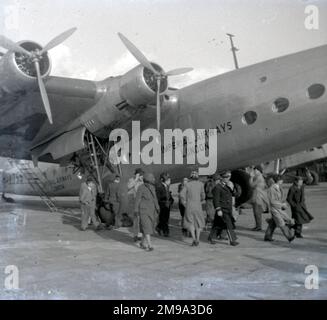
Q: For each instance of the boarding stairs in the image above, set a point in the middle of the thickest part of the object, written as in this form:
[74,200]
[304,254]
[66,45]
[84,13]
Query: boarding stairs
[37,184]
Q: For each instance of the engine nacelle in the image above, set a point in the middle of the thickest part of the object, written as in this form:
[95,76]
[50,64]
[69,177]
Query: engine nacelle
[120,100]
[139,85]
[17,71]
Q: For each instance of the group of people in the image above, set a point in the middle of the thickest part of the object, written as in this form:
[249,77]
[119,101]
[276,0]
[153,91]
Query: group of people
[150,202]
[269,198]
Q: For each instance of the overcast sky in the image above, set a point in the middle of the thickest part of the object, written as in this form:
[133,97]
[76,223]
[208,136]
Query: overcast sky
[174,33]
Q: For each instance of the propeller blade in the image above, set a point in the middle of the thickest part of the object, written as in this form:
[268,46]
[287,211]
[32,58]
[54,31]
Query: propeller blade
[43,92]
[139,56]
[158,102]
[58,40]
[178,71]
[12,46]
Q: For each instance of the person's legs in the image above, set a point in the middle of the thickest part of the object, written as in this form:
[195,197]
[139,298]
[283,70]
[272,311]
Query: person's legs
[85,217]
[159,227]
[182,212]
[197,234]
[192,231]
[116,212]
[298,230]
[287,232]
[257,212]
[270,230]
[230,231]
[93,216]
[166,221]
[214,230]
[148,239]
[136,227]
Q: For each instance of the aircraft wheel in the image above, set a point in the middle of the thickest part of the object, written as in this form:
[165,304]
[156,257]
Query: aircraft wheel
[241,180]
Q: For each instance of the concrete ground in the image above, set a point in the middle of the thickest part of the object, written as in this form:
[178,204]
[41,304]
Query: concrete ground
[57,261]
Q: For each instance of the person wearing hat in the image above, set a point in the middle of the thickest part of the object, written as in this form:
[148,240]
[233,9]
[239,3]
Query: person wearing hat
[87,198]
[279,216]
[113,198]
[147,208]
[259,198]
[133,184]
[165,200]
[192,196]
[223,203]
[296,200]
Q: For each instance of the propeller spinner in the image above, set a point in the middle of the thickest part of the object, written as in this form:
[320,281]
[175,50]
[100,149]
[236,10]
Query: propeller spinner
[159,75]
[35,57]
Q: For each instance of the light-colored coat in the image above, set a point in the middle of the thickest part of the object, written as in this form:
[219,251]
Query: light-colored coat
[276,196]
[88,193]
[192,196]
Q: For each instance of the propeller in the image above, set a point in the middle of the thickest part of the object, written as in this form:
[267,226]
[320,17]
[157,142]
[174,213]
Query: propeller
[36,56]
[159,75]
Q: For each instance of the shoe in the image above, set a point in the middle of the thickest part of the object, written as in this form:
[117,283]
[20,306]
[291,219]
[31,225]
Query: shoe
[193,244]
[158,231]
[166,234]
[268,239]
[197,243]
[234,243]
[211,241]
[298,236]
[149,249]
[291,239]
[142,246]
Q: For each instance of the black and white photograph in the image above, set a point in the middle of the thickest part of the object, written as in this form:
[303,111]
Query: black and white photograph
[163,150]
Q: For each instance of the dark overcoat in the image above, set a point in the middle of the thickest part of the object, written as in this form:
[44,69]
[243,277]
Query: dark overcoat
[296,200]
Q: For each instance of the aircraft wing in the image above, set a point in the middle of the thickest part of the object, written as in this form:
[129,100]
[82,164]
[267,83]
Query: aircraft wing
[23,121]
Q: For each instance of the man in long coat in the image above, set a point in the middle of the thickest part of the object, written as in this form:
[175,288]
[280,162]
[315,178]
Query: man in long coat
[165,200]
[296,200]
[223,203]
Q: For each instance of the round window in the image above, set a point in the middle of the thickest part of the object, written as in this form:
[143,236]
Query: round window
[316,91]
[280,105]
[249,117]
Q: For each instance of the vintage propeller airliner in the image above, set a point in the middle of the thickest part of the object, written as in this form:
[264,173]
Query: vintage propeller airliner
[260,112]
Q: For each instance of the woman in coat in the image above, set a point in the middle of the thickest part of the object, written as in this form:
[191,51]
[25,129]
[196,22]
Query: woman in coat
[192,196]
[296,200]
[280,218]
[147,208]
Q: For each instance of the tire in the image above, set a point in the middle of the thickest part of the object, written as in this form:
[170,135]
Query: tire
[241,180]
